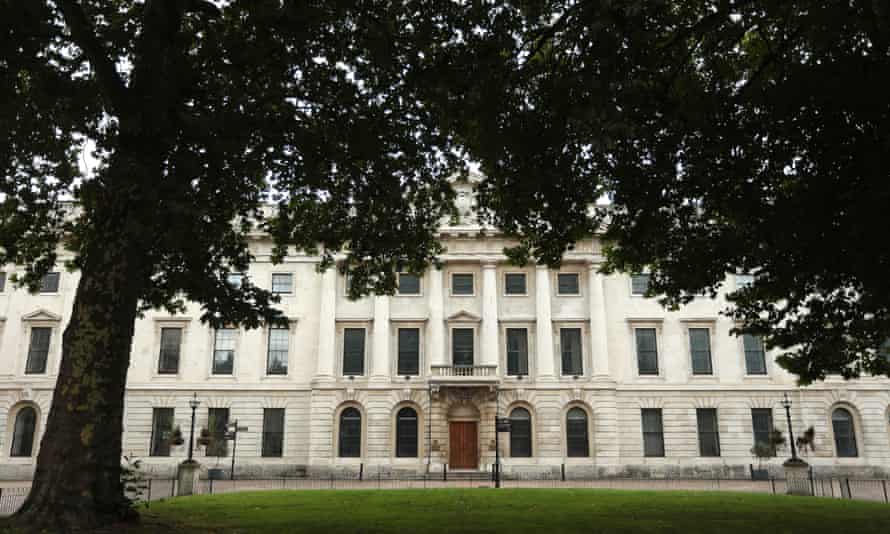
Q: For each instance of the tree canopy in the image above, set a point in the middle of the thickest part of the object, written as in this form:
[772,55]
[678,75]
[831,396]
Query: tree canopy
[730,136]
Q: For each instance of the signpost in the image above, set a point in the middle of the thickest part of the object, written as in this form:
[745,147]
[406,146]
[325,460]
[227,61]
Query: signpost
[232,434]
[502,424]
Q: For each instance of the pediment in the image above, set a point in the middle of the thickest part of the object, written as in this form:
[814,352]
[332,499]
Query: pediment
[41,315]
[464,315]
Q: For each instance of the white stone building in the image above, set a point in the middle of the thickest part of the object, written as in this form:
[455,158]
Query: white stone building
[594,376]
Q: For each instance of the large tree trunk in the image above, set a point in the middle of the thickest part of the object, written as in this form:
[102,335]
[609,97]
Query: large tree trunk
[77,483]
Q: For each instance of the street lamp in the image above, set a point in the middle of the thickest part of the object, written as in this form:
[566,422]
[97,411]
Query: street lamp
[786,403]
[193,403]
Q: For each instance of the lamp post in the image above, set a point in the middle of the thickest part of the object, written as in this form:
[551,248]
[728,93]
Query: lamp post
[193,403]
[786,403]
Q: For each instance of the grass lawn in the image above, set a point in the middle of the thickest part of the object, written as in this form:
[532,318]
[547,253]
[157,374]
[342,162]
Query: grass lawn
[511,510]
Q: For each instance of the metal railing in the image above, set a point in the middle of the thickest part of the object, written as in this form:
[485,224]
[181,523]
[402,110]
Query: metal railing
[13,494]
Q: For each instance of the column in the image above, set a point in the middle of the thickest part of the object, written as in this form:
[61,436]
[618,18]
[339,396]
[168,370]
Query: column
[327,324]
[380,353]
[599,341]
[489,314]
[436,330]
[543,325]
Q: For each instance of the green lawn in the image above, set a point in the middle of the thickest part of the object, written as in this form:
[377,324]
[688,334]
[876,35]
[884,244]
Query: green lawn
[514,510]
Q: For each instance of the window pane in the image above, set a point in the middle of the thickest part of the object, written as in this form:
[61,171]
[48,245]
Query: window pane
[844,433]
[23,433]
[762,423]
[406,433]
[38,350]
[570,345]
[576,434]
[2,281]
[409,284]
[350,445]
[700,346]
[517,351]
[462,284]
[168,361]
[653,432]
[217,421]
[520,433]
[567,284]
[276,359]
[514,284]
[755,359]
[161,431]
[409,352]
[708,435]
[354,351]
[647,351]
[462,346]
[282,283]
[224,351]
[639,284]
[273,432]
[50,283]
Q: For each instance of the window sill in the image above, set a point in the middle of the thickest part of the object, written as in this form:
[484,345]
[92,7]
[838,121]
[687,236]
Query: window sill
[274,377]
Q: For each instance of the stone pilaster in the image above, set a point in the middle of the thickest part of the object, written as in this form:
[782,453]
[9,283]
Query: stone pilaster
[327,325]
[436,330]
[380,353]
[543,325]
[489,314]
[599,340]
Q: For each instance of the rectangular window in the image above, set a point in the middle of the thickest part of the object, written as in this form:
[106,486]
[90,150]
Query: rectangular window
[282,283]
[168,360]
[568,284]
[570,346]
[38,350]
[49,283]
[2,281]
[884,350]
[161,431]
[708,434]
[700,347]
[353,351]
[755,359]
[647,351]
[462,346]
[517,351]
[639,284]
[762,421]
[461,284]
[409,352]
[224,351]
[276,359]
[217,427]
[235,280]
[409,284]
[653,432]
[514,284]
[273,432]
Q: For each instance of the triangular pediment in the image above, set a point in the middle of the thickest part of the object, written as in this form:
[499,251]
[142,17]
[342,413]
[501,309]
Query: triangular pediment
[464,315]
[41,315]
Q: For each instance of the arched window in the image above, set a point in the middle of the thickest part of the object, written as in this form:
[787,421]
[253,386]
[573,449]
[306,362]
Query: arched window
[520,433]
[844,433]
[576,434]
[23,432]
[406,433]
[350,442]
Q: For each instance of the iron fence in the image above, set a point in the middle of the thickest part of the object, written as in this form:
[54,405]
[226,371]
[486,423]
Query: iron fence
[13,494]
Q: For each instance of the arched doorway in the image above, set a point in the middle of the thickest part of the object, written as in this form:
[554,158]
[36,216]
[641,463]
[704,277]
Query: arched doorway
[463,436]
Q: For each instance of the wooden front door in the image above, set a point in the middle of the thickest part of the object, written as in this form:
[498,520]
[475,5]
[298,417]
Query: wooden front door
[463,445]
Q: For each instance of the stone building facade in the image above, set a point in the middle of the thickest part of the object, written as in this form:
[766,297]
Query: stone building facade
[593,376]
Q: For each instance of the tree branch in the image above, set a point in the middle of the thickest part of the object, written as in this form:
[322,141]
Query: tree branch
[84,36]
